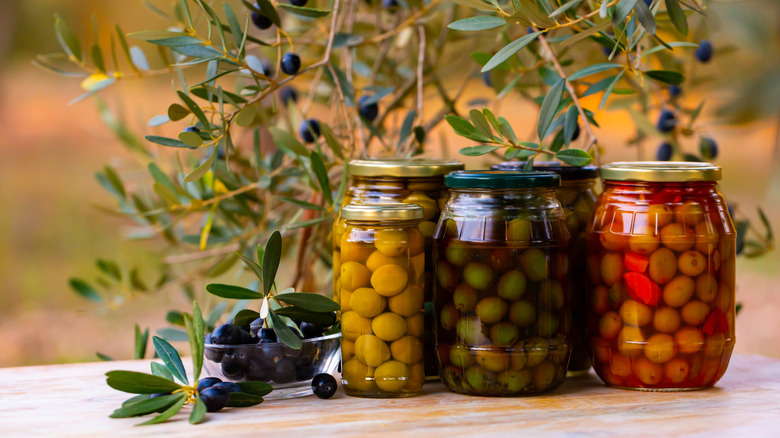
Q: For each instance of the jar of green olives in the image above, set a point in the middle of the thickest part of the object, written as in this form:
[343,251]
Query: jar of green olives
[577,195]
[401,180]
[501,294]
[661,259]
[383,275]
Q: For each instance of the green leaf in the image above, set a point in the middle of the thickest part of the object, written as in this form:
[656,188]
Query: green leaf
[677,16]
[271,259]
[146,406]
[298,314]
[201,170]
[609,89]
[475,151]
[550,107]
[343,82]
[302,204]
[170,357]
[645,17]
[97,58]
[481,22]
[463,128]
[666,76]
[322,176]
[109,267]
[593,69]
[168,413]
[194,108]
[509,50]
[172,334]
[196,331]
[406,126]
[565,7]
[165,141]
[570,124]
[770,236]
[82,288]
[622,10]
[306,223]
[574,157]
[304,12]
[579,36]
[233,292]
[67,39]
[284,333]
[198,411]
[141,340]
[243,400]
[258,389]
[103,357]
[177,112]
[309,301]
[244,317]
[253,266]
[506,130]
[161,370]
[139,383]
[331,141]
[480,122]
[235,27]
[659,48]
[285,141]
[191,139]
[246,116]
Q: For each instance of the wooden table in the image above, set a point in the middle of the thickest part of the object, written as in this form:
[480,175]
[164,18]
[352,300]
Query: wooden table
[73,400]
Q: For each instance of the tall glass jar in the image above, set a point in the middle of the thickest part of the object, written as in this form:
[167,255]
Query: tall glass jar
[382,304]
[577,195]
[409,180]
[501,292]
[661,259]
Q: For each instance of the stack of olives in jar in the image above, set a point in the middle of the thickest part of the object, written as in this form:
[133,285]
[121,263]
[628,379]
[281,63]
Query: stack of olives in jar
[501,292]
[417,181]
[382,278]
[661,277]
[577,195]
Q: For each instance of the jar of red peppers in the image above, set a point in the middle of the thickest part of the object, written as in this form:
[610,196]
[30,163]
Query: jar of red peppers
[501,291]
[577,195]
[398,180]
[661,262]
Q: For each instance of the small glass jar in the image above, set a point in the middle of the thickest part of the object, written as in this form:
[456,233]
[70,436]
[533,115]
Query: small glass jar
[501,292]
[382,303]
[577,195]
[400,180]
[661,259]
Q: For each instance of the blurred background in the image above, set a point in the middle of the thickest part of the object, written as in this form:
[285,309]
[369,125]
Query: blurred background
[51,228]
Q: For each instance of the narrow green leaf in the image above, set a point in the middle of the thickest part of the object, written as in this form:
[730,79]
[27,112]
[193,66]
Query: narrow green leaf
[233,292]
[480,22]
[244,317]
[285,333]
[318,167]
[677,16]
[139,383]
[406,126]
[609,89]
[198,411]
[299,314]
[659,48]
[565,7]
[593,69]
[141,341]
[168,413]
[302,204]
[82,288]
[147,406]
[109,268]
[475,151]
[201,170]
[253,266]
[507,131]
[306,223]
[331,141]
[622,9]
[574,157]
[579,36]
[645,17]
[271,258]
[480,122]
[666,76]
[196,329]
[509,50]
[67,39]
[304,12]
[165,141]
[171,358]
[243,400]
[103,357]
[770,235]
[550,107]
[258,389]
[172,334]
[191,139]
[161,370]
[570,124]
[194,108]
[235,27]
[288,143]
[97,58]
[309,301]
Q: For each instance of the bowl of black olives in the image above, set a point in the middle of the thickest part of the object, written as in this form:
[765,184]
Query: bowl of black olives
[253,352]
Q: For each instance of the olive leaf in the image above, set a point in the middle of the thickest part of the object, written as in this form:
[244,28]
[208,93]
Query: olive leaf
[171,358]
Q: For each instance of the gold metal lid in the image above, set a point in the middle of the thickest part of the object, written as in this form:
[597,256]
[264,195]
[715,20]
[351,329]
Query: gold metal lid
[382,212]
[660,171]
[403,167]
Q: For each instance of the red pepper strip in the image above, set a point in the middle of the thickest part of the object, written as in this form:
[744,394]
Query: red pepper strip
[641,288]
[665,196]
[716,323]
[636,262]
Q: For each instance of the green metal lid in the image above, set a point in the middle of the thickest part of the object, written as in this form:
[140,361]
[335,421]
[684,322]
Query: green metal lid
[499,179]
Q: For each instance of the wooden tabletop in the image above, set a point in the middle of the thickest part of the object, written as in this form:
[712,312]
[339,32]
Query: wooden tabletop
[73,400]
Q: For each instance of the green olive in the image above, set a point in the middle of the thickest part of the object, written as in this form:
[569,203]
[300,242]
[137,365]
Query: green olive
[551,295]
[491,310]
[518,230]
[546,325]
[677,237]
[504,334]
[678,291]
[477,378]
[501,260]
[536,350]
[662,265]
[457,254]
[617,294]
[515,381]
[492,359]
[543,375]
[611,268]
[511,285]
[690,213]
[465,298]
[446,275]
[478,275]
[691,263]
[534,264]
[469,330]
[448,317]
[522,313]
[460,356]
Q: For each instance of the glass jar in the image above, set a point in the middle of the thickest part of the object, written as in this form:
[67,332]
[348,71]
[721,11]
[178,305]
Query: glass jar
[577,195]
[661,259]
[382,301]
[501,291]
[409,180]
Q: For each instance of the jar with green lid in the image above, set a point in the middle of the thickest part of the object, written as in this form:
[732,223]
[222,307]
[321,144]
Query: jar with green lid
[661,265]
[398,180]
[501,294]
[577,195]
[382,302]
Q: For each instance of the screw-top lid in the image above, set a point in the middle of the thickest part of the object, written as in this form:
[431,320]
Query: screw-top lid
[660,171]
[382,212]
[403,167]
[567,173]
[500,179]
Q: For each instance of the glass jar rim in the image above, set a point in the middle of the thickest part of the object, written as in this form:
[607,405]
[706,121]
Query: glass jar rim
[660,171]
[501,179]
[567,173]
[403,167]
[381,212]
